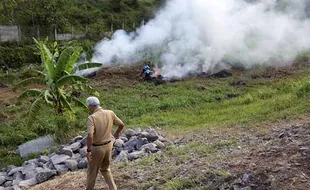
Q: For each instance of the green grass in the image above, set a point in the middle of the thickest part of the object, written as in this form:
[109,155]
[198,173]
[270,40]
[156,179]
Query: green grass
[179,107]
[184,106]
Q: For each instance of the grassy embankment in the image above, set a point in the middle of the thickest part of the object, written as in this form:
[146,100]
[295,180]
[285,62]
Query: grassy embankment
[177,108]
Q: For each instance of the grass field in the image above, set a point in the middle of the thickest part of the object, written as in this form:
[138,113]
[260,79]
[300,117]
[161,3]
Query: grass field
[177,108]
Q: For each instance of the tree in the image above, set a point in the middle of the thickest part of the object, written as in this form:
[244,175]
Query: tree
[59,80]
[9,8]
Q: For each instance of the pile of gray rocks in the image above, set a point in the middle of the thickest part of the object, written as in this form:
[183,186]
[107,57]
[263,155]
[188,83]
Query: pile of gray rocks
[133,144]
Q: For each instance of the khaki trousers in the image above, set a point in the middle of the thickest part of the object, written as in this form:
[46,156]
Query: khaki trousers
[101,156]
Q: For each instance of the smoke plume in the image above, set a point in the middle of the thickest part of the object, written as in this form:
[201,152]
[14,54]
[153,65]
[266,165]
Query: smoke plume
[206,35]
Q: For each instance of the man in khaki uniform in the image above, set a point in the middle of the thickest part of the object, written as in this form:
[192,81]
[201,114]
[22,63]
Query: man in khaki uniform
[100,142]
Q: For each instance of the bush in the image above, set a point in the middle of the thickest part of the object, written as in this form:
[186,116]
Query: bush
[17,56]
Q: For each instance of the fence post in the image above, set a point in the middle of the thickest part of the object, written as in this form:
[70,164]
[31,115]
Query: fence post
[19,33]
[56,35]
[112,28]
[0,33]
[72,32]
[38,32]
[123,26]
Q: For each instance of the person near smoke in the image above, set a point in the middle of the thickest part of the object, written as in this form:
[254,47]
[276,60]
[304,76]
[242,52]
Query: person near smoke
[147,72]
[100,142]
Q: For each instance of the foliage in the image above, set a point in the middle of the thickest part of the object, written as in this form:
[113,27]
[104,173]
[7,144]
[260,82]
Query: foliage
[94,15]
[16,56]
[58,78]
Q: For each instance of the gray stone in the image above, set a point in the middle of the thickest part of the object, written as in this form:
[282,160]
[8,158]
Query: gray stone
[40,164]
[76,139]
[151,136]
[83,152]
[135,155]
[132,142]
[118,149]
[161,138]
[141,142]
[57,159]
[129,133]
[16,182]
[137,131]
[84,141]
[83,163]
[118,143]
[29,171]
[14,170]
[151,130]
[52,154]
[10,167]
[75,146]
[28,183]
[29,166]
[77,157]
[44,175]
[61,168]
[8,183]
[66,151]
[33,162]
[43,159]
[3,173]
[50,165]
[114,153]
[2,179]
[71,164]
[125,139]
[150,147]
[159,144]
[122,157]
[35,146]
[18,176]
[30,174]
[9,178]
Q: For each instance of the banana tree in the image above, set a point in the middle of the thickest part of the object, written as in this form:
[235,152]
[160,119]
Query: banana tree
[59,80]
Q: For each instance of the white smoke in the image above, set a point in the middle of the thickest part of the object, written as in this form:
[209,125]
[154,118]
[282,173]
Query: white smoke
[207,35]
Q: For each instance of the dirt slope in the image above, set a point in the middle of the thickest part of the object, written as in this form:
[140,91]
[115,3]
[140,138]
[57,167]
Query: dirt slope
[264,158]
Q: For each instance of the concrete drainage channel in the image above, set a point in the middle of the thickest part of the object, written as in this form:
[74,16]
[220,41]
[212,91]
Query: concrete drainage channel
[132,145]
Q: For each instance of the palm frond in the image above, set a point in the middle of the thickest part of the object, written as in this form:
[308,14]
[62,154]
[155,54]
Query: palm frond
[35,107]
[63,61]
[78,102]
[73,58]
[85,87]
[47,97]
[29,81]
[64,100]
[39,72]
[68,79]
[30,93]
[86,66]
[47,60]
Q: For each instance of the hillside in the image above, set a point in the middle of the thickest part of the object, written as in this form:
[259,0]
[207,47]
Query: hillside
[252,123]
[95,16]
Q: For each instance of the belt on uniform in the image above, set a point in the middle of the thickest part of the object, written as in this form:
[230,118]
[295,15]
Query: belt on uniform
[101,144]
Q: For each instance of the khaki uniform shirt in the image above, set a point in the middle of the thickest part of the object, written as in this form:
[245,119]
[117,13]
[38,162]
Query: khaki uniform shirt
[100,124]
